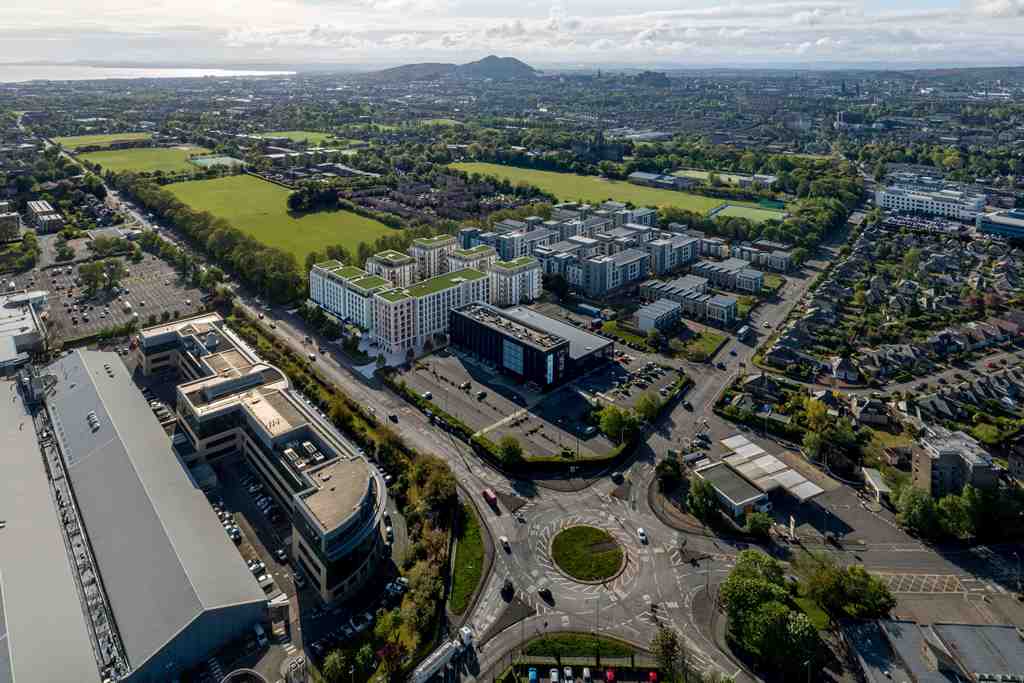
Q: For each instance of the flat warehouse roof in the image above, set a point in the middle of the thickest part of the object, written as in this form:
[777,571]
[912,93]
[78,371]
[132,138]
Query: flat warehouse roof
[40,612]
[581,342]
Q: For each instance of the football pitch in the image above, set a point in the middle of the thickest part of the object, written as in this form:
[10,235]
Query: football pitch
[260,209]
[146,159]
[570,187]
[755,215]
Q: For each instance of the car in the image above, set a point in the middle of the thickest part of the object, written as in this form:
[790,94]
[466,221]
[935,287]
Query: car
[553,675]
[688,406]
[732,352]
[505,544]
[427,396]
[720,365]
[361,622]
[567,674]
[389,533]
[766,325]
[545,594]
[490,497]
[532,674]
[642,535]
[387,519]
[393,417]
[609,675]
[585,677]
[507,589]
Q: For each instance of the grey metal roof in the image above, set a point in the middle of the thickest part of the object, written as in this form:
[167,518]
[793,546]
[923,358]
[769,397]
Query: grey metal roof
[730,484]
[43,635]
[162,555]
[581,342]
[986,649]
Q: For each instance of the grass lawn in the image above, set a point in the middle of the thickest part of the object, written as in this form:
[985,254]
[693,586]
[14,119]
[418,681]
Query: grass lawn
[880,440]
[576,645]
[613,329]
[316,139]
[817,615]
[587,553]
[75,141]
[469,561]
[750,213]
[704,344]
[744,304]
[260,209]
[441,122]
[146,159]
[572,187]
[773,281]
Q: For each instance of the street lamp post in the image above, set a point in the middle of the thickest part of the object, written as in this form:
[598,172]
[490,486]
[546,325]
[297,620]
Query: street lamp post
[1017,555]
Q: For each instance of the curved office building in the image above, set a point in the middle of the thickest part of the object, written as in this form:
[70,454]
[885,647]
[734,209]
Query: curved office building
[232,403]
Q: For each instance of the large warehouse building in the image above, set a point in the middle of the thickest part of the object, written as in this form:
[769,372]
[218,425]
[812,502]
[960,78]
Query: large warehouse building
[139,581]
[526,344]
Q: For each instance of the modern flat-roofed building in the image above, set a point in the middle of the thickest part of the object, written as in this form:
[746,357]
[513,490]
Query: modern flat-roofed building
[230,402]
[481,257]
[431,254]
[958,205]
[1008,224]
[345,292]
[732,273]
[944,461]
[514,282]
[140,578]
[672,253]
[22,331]
[10,224]
[736,495]
[661,314]
[44,217]
[404,319]
[604,274]
[397,268]
[528,345]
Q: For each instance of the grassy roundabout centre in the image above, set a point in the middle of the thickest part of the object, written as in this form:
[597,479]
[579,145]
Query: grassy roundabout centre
[587,553]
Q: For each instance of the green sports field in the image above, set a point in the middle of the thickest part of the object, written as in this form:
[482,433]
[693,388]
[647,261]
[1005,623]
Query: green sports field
[260,209]
[441,122]
[146,159]
[572,187]
[75,141]
[750,213]
[313,137]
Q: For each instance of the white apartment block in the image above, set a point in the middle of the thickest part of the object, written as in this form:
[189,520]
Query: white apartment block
[345,292]
[480,257]
[961,206]
[431,254]
[515,282]
[406,318]
[397,268]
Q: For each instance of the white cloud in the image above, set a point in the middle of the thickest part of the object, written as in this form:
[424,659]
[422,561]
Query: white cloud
[999,8]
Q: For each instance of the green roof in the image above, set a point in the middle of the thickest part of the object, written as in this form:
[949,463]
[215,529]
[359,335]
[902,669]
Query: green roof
[515,263]
[475,251]
[370,282]
[436,284]
[330,265]
[393,256]
[350,273]
[394,295]
[432,241]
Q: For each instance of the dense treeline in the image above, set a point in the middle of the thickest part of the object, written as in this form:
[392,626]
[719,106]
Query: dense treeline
[954,162]
[271,272]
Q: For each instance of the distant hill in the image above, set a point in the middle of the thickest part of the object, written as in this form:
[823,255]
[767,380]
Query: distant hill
[497,68]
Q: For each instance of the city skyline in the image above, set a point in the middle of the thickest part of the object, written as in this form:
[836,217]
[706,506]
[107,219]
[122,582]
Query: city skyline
[360,33]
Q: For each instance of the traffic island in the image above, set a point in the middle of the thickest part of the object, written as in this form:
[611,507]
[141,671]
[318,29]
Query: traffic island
[587,554]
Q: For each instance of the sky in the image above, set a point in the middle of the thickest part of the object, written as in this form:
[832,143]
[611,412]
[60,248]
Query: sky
[541,32]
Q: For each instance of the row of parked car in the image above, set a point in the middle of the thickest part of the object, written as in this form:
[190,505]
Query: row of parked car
[227,520]
[358,622]
[585,677]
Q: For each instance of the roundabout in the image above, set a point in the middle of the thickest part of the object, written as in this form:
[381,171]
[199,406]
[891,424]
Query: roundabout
[587,554]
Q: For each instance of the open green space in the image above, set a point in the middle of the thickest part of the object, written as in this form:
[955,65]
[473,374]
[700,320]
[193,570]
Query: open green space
[260,209]
[773,281]
[750,213]
[146,159]
[313,137]
[576,645]
[629,335]
[73,142]
[587,553]
[469,561]
[441,122]
[703,344]
[572,187]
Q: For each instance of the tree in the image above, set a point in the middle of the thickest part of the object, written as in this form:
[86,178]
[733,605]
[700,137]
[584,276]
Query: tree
[510,449]
[439,489]
[91,275]
[917,512]
[391,655]
[759,524]
[955,516]
[669,473]
[365,660]
[816,413]
[668,650]
[115,271]
[655,338]
[701,500]
[648,406]
[336,666]
[389,623]
[617,424]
